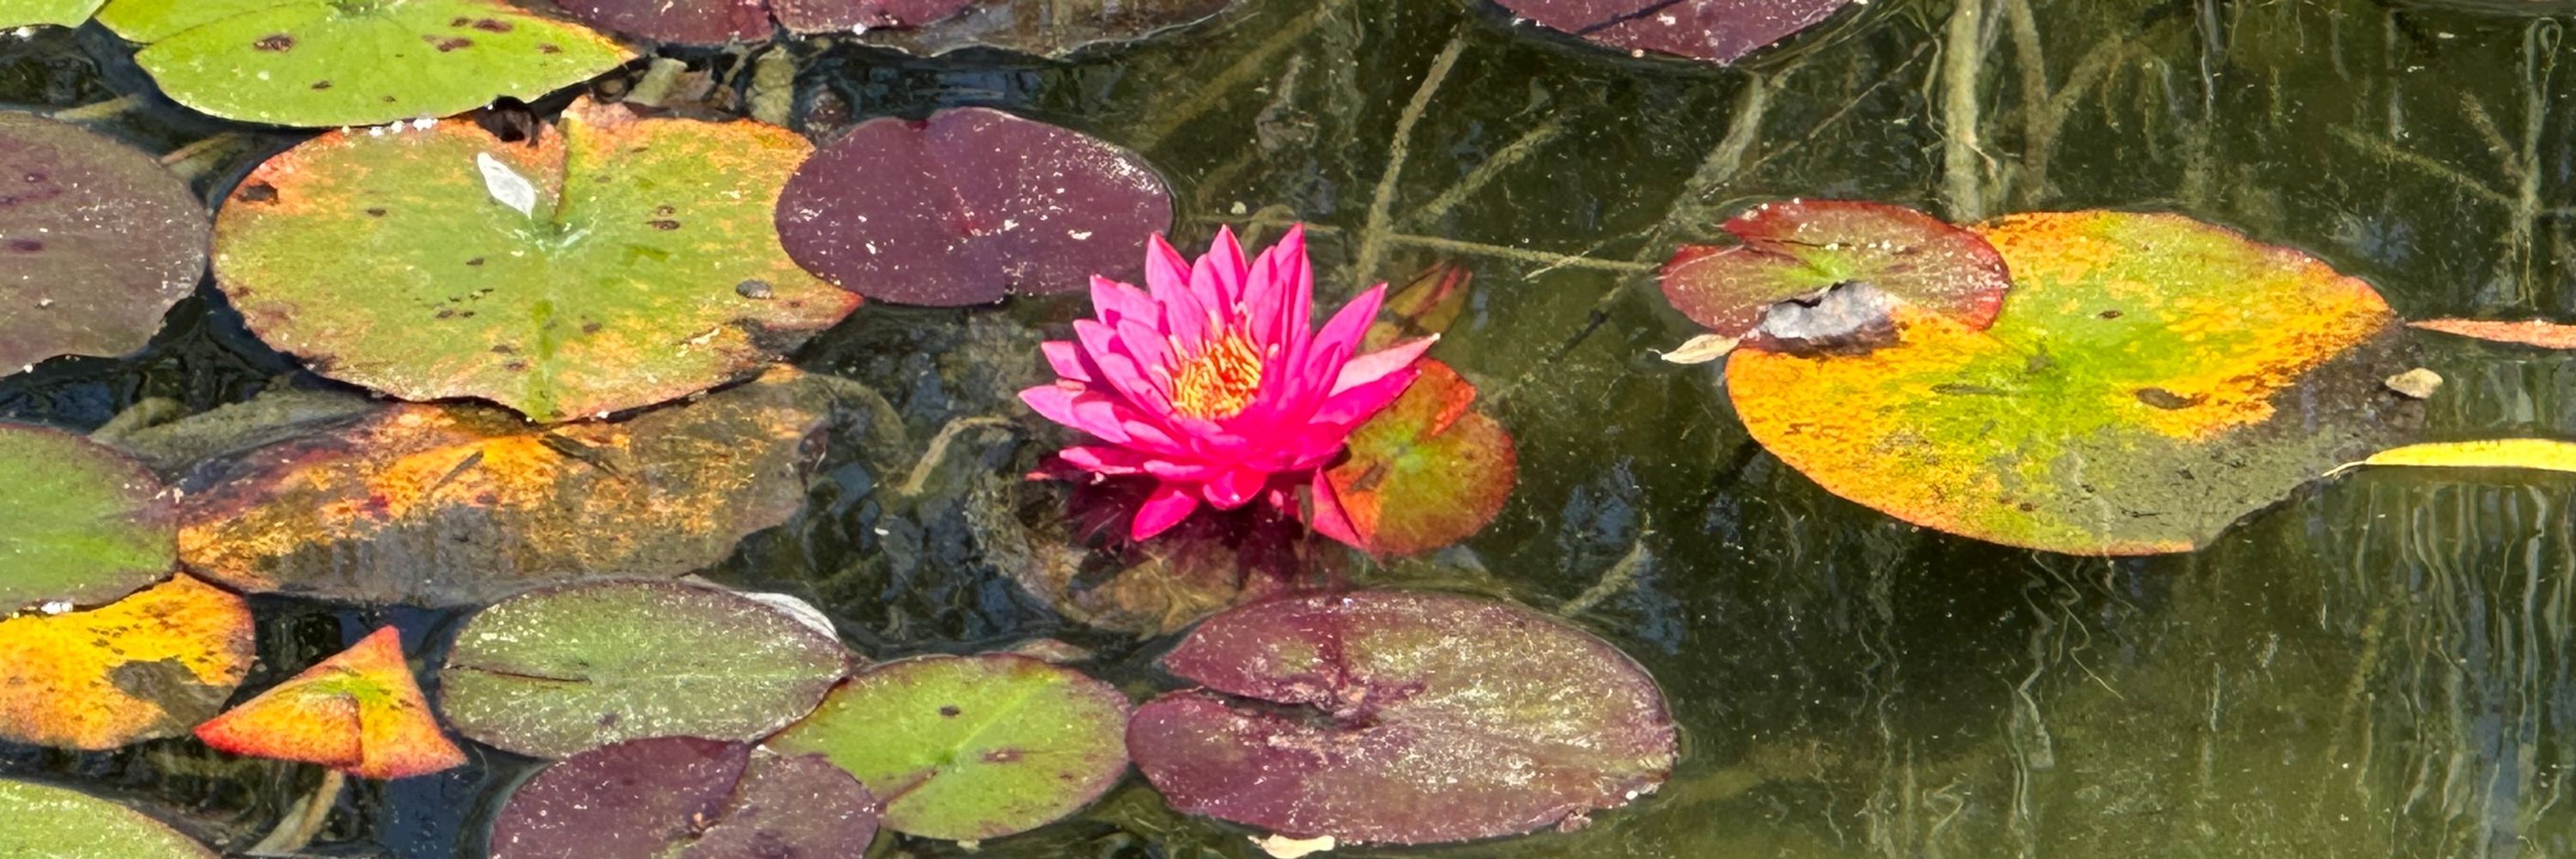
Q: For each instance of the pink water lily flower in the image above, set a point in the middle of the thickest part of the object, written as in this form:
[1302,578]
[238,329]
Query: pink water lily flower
[1213,381]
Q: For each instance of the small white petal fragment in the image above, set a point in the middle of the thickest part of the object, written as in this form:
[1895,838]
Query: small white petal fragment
[1284,847]
[506,184]
[1701,349]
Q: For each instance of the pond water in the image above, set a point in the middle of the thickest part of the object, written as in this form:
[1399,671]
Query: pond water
[2379,666]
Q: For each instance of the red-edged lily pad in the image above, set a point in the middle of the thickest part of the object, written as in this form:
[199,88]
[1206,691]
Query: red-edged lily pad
[2151,380]
[1427,472]
[1718,31]
[96,242]
[969,206]
[150,665]
[562,670]
[359,712]
[685,798]
[1409,718]
[1798,250]
[971,747]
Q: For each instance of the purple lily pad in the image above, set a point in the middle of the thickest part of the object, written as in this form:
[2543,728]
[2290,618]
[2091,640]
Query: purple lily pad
[1050,28]
[96,242]
[1415,718]
[686,797]
[686,22]
[969,206]
[1800,250]
[823,16]
[1718,31]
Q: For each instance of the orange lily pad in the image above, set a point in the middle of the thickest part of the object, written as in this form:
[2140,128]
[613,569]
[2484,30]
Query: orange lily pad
[1427,472]
[447,504]
[2152,380]
[145,666]
[359,712]
[1797,249]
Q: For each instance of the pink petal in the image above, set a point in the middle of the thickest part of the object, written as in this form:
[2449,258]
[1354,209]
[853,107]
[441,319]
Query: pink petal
[1235,488]
[1365,400]
[1165,266]
[1225,269]
[1103,460]
[1099,416]
[1149,349]
[1167,506]
[1347,326]
[1372,366]
[1179,472]
[1114,301]
[1066,358]
[1327,516]
[1118,368]
[1053,402]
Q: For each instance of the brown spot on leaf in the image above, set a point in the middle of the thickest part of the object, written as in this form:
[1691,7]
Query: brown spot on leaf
[490,25]
[2167,400]
[950,711]
[26,246]
[755,289]
[257,192]
[513,366]
[591,327]
[321,84]
[376,212]
[477,261]
[665,224]
[1001,756]
[548,48]
[2109,314]
[275,42]
[446,45]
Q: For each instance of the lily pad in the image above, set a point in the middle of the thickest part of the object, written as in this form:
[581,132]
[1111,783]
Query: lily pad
[44,820]
[562,670]
[968,206]
[1718,31]
[1380,717]
[323,63]
[685,798]
[79,523]
[96,242]
[693,22]
[439,505]
[1049,28]
[619,263]
[2152,380]
[1797,250]
[61,13]
[971,747]
[1427,472]
[147,666]
[359,711]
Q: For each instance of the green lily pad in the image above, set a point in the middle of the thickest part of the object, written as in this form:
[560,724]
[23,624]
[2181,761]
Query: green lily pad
[1795,250]
[453,504]
[1381,717]
[96,242]
[566,669]
[619,263]
[971,747]
[1427,472]
[61,13]
[60,823]
[320,63]
[685,798]
[2152,380]
[79,523]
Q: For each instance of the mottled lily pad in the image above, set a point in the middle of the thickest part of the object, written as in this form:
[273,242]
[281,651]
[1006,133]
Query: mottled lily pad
[354,62]
[1050,28]
[359,711]
[79,524]
[619,263]
[146,666]
[1718,31]
[561,670]
[969,206]
[61,13]
[1401,718]
[440,505]
[2152,380]
[44,820]
[971,747]
[1427,472]
[685,798]
[96,242]
[1798,250]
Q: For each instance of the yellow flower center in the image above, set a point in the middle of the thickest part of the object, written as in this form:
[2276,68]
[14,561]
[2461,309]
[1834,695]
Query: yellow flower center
[1220,381]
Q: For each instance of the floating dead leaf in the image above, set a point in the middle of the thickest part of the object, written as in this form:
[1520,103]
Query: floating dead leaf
[359,712]
[2534,453]
[150,665]
[1426,306]
[1427,472]
[2531,332]
[450,504]
[1819,269]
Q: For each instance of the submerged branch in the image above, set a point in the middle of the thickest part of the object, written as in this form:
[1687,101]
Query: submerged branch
[303,819]
[1382,205]
[1962,58]
[1243,69]
[1504,159]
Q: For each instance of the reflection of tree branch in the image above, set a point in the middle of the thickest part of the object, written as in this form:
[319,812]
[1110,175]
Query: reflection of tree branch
[1382,206]
[1503,159]
[2389,153]
[1243,69]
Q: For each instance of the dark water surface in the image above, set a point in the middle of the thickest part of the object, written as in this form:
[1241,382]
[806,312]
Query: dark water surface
[2378,667]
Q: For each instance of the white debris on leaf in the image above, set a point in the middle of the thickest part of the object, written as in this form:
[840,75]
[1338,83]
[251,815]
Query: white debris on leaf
[506,185]
[1700,350]
[1284,847]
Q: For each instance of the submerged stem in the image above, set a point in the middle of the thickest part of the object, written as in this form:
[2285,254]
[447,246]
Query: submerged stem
[303,819]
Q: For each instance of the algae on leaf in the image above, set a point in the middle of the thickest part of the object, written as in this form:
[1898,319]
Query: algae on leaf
[322,63]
